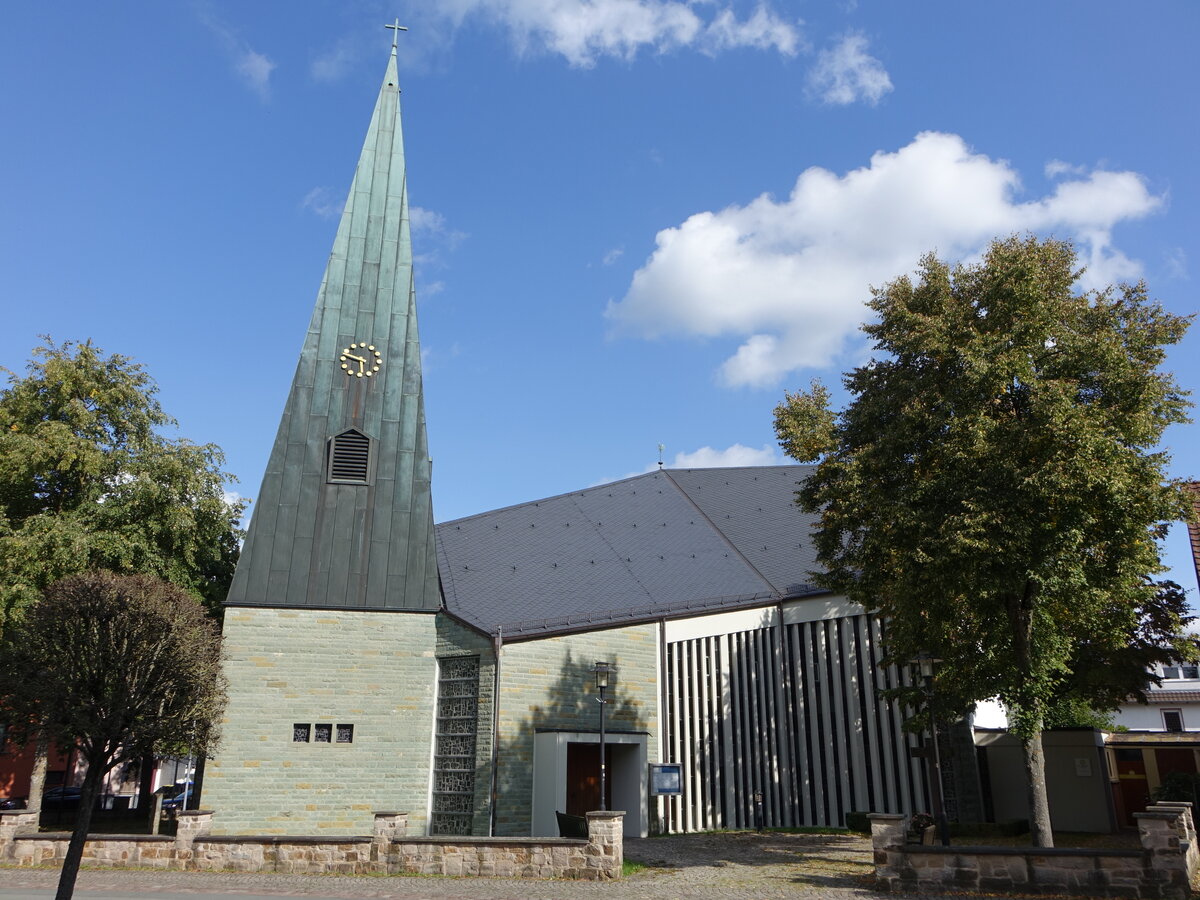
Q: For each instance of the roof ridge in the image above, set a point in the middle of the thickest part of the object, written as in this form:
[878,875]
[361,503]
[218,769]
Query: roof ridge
[717,528]
[540,500]
[627,478]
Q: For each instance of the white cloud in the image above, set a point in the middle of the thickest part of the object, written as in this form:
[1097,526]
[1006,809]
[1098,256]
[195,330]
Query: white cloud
[847,73]
[736,455]
[338,59]
[584,31]
[252,67]
[1176,263]
[430,222]
[613,255]
[323,202]
[789,277]
[1056,168]
[255,69]
[710,458]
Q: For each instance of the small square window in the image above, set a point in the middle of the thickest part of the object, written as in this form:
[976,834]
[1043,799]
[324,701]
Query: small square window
[1173,719]
[323,734]
[345,734]
[301,733]
[1170,671]
[1190,672]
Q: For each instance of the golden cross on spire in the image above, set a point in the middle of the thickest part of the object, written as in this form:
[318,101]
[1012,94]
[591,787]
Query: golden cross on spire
[397,28]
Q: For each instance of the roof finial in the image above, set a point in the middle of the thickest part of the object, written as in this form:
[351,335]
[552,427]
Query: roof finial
[661,448]
[397,28]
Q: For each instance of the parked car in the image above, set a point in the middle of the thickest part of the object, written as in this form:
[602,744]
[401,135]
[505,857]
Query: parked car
[12,802]
[173,801]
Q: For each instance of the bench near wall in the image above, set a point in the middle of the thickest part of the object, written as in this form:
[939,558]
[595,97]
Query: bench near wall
[1164,869]
[389,851]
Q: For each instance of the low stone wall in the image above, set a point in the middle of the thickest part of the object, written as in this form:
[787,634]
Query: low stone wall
[389,851]
[1164,869]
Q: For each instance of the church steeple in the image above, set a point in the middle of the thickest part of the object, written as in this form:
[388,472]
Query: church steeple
[344,518]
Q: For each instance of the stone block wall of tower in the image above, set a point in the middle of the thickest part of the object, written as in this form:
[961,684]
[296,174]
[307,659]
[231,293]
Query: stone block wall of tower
[313,669]
[548,684]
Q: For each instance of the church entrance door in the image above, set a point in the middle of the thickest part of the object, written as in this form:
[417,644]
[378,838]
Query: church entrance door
[583,778]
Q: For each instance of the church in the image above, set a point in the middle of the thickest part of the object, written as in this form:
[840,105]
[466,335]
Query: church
[379,662]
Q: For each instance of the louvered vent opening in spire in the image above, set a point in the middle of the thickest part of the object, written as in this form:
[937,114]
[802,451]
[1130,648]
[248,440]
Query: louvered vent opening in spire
[350,458]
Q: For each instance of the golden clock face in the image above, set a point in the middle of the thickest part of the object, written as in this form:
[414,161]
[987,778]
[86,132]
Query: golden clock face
[360,360]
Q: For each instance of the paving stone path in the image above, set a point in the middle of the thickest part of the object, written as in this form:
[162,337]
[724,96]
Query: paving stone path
[732,866]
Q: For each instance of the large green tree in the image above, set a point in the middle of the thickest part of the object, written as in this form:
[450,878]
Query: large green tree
[995,486]
[120,666]
[89,480]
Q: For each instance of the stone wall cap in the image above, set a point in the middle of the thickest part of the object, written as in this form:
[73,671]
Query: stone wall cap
[477,840]
[885,817]
[17,812]
[605,814]
[955,850]
[93,836]
[1166,814]
[195,812]
[1172,804]
[388,812]
[282,839]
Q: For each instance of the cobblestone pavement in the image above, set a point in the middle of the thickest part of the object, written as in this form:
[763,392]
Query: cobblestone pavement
[732,866]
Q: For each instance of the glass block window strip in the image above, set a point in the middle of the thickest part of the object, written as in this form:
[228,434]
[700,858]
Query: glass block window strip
[322,734]
[454,755]
[300,733]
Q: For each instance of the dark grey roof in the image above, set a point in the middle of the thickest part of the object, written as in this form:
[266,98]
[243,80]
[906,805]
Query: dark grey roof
[662,544]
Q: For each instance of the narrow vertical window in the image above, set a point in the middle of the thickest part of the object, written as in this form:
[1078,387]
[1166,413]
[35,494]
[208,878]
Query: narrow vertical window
[454,754]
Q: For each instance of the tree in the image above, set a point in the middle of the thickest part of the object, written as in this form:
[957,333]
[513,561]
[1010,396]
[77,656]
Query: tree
[88,481]
[993,488]
[120,666]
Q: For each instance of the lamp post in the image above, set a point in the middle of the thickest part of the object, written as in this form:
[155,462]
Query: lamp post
[925,664]
[602,670]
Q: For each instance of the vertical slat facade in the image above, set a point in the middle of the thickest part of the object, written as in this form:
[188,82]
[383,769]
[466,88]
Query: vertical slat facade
[790,711]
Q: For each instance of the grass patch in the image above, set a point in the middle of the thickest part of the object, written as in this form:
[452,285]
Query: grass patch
[629,867]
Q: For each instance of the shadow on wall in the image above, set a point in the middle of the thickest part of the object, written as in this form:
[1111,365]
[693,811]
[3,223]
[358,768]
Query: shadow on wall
[567,704]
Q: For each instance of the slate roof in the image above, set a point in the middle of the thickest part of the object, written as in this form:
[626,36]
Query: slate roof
[668,543]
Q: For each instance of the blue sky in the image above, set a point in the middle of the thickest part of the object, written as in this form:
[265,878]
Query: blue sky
[639,221]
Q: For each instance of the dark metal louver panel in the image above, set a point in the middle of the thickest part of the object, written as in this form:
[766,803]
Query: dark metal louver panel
[454,760]
[350,458]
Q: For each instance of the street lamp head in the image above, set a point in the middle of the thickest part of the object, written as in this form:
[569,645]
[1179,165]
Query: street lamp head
[601,670]
[925,663]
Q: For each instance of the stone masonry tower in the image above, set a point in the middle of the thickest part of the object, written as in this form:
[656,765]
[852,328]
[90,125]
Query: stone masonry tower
[330,622]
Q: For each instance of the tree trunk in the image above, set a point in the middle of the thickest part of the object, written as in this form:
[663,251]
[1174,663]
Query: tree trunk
[145,779]
[1039,806]
[37,778]
[88,792]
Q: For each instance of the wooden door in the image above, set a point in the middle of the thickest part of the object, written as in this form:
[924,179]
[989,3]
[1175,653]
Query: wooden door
[583,778]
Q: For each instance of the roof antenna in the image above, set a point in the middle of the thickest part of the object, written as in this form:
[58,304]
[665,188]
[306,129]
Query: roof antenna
[661,448]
